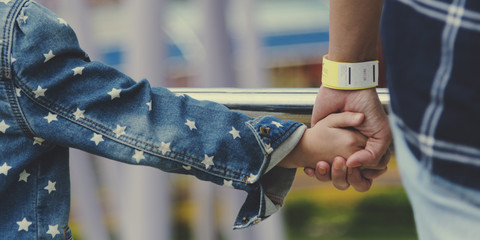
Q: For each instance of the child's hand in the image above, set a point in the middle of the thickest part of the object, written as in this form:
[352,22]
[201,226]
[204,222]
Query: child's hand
[329,138]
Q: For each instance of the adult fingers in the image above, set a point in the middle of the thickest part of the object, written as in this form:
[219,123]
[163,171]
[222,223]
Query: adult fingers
[376,155]
[358,182]
[374,173]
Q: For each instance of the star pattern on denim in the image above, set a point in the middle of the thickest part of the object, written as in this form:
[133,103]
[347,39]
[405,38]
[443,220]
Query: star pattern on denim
[164,147]
[208,161]
[191,124]
[188,168]
[97,138]
[23,176]
[227,183]
[40,92]
[38,141]
[277,124]
[51,117]
[50,187]
[23,225]
[78,71]
[149,104]
[23,17]
[53,230]
[252,178]
[79,114]
[4,169]
[115,93]
[3,126]
[18,91]
[138,156]
[235,133]
[48,56]
[5,1]
[62,21]
[119,131]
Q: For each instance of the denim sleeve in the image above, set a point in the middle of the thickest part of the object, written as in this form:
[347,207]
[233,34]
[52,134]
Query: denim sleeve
[68,100]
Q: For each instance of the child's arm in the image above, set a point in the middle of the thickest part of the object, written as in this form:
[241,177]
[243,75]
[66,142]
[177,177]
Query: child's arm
[328,139]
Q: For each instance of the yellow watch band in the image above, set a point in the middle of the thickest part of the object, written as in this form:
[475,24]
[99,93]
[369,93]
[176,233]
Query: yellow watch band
[349,76]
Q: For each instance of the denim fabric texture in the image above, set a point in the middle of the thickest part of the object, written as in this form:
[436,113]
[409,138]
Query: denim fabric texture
[52,98]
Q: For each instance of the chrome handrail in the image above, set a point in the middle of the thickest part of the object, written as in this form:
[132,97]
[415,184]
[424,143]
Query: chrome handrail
[286,103]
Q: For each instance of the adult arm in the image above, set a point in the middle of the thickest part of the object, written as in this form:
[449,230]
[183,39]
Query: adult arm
[354,27]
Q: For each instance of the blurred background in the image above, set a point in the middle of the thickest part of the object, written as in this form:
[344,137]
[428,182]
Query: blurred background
[215,43]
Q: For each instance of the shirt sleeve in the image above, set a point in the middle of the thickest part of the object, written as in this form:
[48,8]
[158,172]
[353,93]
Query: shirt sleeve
[68,100]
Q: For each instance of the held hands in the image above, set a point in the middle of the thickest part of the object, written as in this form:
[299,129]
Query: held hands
[329,138]
[365,164]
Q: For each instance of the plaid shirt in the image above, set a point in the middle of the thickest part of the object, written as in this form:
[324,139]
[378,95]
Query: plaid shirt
[432,50]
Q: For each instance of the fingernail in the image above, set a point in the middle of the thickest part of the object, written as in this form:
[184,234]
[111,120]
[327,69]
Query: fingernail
[358,116]
[338,166]
[322,171]
[354,165]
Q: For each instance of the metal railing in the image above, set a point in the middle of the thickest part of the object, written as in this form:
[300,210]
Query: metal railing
[286,103]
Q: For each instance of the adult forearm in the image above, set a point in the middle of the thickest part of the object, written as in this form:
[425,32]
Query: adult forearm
[354,27]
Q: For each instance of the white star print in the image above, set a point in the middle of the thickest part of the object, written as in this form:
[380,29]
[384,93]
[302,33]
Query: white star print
[50,187]
[62,21]
[79,114]
[138,156]
[4,169]
[3,126]
[38,140]
[268,148]
[78,71]
[13,60]
[115,93]
[252,178]
[48,56]
[235,133]
[97,138]
[277,124]
[119,131]
[23,176]
[208,161]
[40,92]
[228,183]
[149,104]
[5,1]
[51,117]
[18,90]
[165,148]
[23,17]
[23,225]
[188,168]
[191,124]
[53,230]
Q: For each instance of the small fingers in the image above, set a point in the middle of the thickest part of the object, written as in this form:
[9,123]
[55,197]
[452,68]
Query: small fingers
[339,173]
[322,171]
[309,171]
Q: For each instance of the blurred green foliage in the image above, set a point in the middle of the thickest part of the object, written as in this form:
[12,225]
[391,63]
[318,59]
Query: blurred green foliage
[382,215]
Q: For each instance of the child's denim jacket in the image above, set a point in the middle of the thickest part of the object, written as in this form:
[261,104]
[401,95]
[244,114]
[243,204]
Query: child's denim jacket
[52,97]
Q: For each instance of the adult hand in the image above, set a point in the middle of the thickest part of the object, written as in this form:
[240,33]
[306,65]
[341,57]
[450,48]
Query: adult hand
[372,160]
